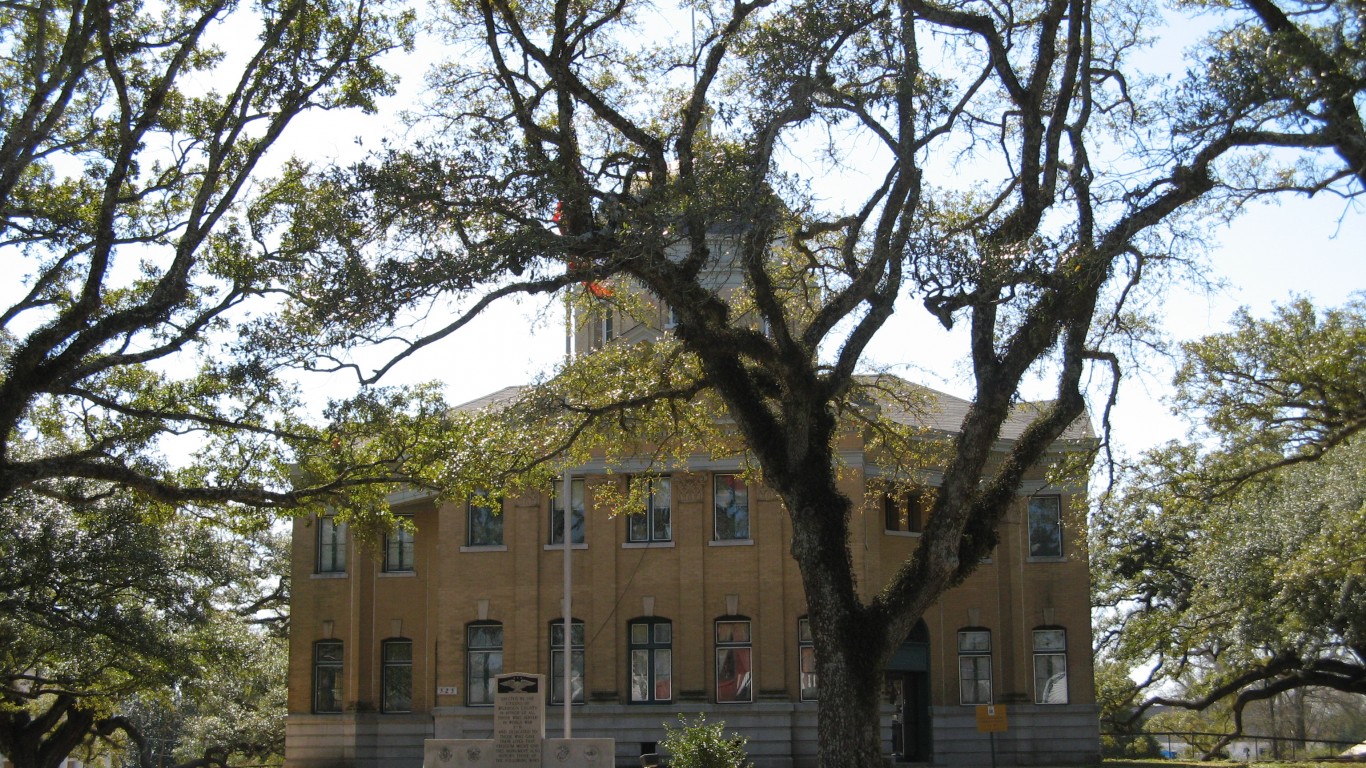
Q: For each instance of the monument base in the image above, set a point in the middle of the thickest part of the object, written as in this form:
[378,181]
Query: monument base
[555,753]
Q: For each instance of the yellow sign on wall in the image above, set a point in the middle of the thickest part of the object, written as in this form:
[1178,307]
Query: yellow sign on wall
[991,718]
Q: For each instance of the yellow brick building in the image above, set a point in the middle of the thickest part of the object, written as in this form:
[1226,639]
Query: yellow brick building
[691,606]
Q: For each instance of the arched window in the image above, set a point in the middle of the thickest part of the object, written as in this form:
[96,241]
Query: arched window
[651,657]
[734,660]
[974,666]
[397,675]
[327,676]
[1050,665]
[557,661]
[483,661]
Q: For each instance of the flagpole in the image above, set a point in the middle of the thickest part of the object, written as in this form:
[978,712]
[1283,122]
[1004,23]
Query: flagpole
[566,529]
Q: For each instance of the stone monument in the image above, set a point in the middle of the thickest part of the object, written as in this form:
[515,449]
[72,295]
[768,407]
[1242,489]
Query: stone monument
[519,736]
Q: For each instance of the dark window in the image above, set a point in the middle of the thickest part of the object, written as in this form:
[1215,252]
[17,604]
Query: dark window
[806,660]
[398,676]
[557,661]
[484,661]
[1050,666]
[1045,526]
[651,652]
[485,522]
[327,676]
[331,545]
[557,512]
[653,524]
[732,507]
[904,509]
[398,547]
[974,666]
[734,661]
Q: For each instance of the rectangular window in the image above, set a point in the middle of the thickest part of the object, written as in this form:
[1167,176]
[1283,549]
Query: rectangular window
[974,666]
[734,661]
[653,524]
[732,508]
[1045,526]
[398,547]
[331,545]
[398,676]
[1050,666]
[903,509]
[806,660]
[327,676]
[557,512]
[651,653]
[557,661]
[485,522]
[484,662]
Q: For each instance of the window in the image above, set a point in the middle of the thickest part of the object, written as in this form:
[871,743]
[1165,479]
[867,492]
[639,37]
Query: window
[327,676]
[398,547]
[653,524]
[484,662]
[331,545]
[557,512]
[557,661]
[651,650]
[1050,666]
[486,522]
[732,507]
[806,660]
[734,661]
[974,666]
[397,664]
[903,509]
[605,329]
[1045,526]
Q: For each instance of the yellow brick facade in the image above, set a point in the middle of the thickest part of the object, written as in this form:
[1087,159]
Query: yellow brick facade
[690,580]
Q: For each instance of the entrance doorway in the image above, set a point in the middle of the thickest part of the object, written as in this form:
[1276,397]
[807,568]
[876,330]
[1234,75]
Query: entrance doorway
[908,691]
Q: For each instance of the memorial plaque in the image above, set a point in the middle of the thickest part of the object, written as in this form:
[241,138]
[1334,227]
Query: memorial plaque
[518,721]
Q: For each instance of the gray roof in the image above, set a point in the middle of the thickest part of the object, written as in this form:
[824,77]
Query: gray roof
[945,413]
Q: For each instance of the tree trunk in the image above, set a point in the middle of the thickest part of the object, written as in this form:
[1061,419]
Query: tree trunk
[850,710]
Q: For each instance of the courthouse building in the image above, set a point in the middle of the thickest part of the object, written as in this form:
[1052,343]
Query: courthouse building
[691,605]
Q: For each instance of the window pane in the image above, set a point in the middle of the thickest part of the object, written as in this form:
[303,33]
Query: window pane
[398,688]
[663,674]
[557,512]
[664,632]
[974,673]
[804,631]
[732,674]
[640,634]
[974,641]
[1050,640]
[807,672]
[331,545]
[638,526]
[1045,526]
[660,492]
[732,631]
[557,676]
[329,652]
[732,507]
[328,694]
[640,675]
[486,524]
[398,651]
[1050,678]
[486,636]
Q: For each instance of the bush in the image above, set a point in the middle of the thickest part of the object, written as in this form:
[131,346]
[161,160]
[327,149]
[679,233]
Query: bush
[700,744]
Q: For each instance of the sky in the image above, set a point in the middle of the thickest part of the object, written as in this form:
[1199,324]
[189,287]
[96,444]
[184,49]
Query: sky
[1270,254]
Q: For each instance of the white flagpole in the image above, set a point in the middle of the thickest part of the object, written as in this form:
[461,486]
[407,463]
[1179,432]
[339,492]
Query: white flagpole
[567,529]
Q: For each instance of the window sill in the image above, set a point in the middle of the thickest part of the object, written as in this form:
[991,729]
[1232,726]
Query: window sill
[558,547]
[731,543]
[903,534]
[647,544]
[329,575]
[484,548]
[397,575]
[1061,559]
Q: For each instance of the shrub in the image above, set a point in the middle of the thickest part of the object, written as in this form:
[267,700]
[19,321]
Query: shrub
[700,744]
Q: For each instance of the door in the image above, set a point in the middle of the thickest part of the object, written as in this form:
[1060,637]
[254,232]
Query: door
[908,691]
